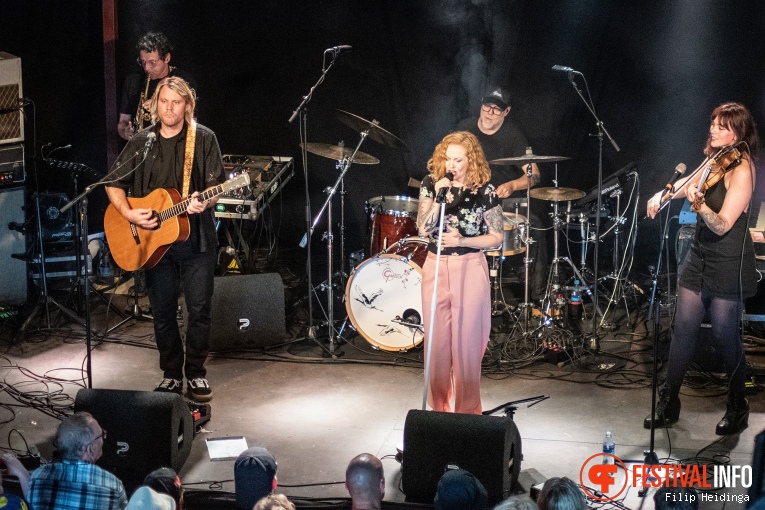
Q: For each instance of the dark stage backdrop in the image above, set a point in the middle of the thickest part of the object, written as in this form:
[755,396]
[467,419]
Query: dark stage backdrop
[655,70]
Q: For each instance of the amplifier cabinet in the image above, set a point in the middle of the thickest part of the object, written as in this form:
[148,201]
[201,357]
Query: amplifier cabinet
[11,93]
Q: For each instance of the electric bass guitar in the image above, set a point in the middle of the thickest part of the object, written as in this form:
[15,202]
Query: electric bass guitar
[133,247]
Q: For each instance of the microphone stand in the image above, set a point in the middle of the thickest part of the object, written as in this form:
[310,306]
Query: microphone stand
[82,201]
[601,131]
[655,312]
[306,241]
[429,339]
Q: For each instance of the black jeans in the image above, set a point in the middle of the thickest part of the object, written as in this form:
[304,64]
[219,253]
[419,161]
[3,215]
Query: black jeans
[182,268]
[725,315]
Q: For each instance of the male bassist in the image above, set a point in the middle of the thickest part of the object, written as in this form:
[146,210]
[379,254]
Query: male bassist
[187,158]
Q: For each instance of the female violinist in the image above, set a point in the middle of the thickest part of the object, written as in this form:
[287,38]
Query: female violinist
[719,272]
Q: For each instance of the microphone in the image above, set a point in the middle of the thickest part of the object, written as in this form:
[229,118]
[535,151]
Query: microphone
[442,192]
[564,69]
[679,170]
[19,105]
[149,141]
[338,49]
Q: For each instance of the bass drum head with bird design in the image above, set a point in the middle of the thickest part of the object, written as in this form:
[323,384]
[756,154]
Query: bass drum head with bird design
[382,298]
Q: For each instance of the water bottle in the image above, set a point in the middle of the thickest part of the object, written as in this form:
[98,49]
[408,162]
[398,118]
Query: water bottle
[575,309]
[608,447]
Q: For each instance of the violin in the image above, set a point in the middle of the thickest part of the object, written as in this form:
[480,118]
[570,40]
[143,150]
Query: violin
[724,160]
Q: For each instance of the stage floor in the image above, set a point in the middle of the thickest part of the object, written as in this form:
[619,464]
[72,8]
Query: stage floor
[315,413]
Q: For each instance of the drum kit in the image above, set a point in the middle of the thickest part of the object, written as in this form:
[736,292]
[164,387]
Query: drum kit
[383,292]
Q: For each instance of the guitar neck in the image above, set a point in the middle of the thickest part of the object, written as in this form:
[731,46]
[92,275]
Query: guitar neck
[181,206]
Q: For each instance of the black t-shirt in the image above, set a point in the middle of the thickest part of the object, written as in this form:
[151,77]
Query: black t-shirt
[507,142]
[135,84]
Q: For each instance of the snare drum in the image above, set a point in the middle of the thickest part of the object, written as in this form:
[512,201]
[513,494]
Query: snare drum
[512,242]
[384,303]
[390,218]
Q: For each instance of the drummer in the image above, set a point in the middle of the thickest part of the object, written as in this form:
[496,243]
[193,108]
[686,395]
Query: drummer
[501,138]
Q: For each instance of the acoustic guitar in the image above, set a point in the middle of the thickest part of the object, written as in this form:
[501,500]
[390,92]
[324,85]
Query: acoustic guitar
[133,247]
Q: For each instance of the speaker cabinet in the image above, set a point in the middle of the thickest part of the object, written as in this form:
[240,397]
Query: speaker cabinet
[11,123]
[13,276]
[487,446]
[247,312]
[146,430]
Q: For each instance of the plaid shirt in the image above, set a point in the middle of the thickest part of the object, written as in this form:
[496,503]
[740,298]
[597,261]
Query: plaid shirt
[71,485]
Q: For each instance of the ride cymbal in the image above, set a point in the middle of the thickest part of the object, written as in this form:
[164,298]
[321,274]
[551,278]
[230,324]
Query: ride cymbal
[376,133]
[339,153]
[556,194]
[528,158]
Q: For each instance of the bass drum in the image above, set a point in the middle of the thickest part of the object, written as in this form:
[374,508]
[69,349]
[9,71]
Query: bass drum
[411,248]
[384,304]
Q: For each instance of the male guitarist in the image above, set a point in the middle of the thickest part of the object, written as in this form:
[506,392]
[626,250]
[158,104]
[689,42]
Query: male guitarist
[185,157]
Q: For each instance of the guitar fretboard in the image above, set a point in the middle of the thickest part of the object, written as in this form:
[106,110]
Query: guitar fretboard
[181,206]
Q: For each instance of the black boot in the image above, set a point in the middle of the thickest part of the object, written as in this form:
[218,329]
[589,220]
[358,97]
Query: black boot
[736,417]
[667,410]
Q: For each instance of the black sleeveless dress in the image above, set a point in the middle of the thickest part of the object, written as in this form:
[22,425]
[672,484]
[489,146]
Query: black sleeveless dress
[714,262]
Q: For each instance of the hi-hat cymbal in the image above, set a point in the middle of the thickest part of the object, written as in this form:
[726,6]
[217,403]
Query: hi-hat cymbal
[556,194]
[376,133]
[528,158]
[339,153]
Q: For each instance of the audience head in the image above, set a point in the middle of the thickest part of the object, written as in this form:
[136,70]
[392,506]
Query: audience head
[365,481]
[145,498]
[561,494]
[676,498]
[254,476]
[521,502]
[274,502]
[166,481]
[80,437]
[460,490]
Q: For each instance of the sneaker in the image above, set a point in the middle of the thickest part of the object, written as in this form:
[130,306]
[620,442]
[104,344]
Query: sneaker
[170,386]
[200,390]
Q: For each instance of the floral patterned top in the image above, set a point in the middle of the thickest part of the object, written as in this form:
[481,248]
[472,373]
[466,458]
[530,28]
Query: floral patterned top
[465,208]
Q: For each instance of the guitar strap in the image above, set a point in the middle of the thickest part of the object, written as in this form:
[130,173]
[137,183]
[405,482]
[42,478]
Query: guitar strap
[188,157]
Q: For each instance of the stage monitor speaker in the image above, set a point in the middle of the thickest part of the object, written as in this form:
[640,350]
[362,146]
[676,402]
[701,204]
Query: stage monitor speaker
[146,430]
[247,312]
[13,276]
[489,447]
[11,93]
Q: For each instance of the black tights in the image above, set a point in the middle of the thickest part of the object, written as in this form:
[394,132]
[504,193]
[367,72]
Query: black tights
[725,317]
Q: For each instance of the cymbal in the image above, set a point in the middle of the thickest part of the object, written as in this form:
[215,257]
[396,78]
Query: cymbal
[528,158]
[339,153]
[556,194]
[376,133]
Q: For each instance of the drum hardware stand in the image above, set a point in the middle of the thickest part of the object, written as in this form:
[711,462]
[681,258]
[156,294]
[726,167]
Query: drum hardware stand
[498,306]
[621,283]
[601,131]
[344,165]
[525,308]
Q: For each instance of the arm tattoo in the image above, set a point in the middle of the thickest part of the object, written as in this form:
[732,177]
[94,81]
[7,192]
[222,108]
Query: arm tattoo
[494,220]
[535,179]
[427,217]
[715,223]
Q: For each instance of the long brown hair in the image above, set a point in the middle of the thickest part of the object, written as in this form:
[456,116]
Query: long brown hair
[737,118]
[180,87]
[478,172]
